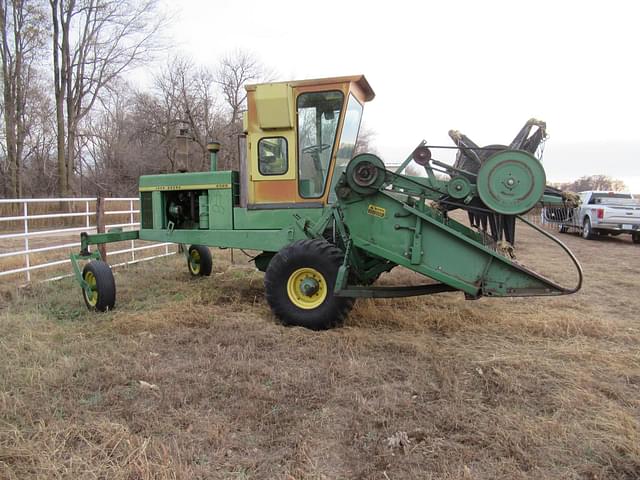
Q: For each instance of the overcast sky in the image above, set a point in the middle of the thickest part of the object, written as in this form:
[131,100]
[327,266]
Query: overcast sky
[482,67]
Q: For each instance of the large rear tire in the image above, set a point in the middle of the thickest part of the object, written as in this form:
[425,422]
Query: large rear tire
[635,237]
[101,294]
[299,285]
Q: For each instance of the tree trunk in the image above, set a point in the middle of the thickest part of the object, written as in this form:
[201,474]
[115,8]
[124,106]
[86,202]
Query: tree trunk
[59,88]
[8,84]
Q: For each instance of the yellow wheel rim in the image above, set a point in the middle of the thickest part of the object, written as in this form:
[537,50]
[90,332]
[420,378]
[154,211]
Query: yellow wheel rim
[194,261]
[307,288]
[92,298]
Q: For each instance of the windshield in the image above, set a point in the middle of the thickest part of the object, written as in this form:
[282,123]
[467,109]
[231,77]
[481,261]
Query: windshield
[318,118]
[348,140]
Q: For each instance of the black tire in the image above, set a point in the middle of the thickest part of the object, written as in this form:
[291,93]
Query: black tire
[563,228]
[199,261]
[316,262]
[635,237]
[587,231]
[103,286]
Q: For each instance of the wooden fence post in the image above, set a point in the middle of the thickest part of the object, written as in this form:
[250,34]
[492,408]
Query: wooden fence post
[100,225]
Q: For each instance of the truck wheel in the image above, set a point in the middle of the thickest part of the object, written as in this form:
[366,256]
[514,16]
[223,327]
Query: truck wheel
[199,261]
[299,285]
[563,228]
[101,292]
[635,238]
[587,231]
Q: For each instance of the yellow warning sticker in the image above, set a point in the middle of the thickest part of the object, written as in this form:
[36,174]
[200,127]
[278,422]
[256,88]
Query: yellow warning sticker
[376,211]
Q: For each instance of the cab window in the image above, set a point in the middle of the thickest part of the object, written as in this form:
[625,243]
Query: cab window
[348,141]
[318,118]
[272,156]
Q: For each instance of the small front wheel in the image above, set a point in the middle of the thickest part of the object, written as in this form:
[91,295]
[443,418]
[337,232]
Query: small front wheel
[199,262]
[100,292]
[635,238]
[299,285]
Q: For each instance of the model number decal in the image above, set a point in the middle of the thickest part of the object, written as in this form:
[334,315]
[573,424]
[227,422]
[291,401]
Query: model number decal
[376,211]
[208,186]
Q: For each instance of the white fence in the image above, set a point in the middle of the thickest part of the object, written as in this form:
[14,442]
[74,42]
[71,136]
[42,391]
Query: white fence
[23,241]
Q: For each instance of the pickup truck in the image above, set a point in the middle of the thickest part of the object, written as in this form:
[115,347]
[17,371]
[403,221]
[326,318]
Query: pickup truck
[604,213]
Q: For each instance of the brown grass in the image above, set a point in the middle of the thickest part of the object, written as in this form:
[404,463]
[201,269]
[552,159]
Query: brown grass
[495,388]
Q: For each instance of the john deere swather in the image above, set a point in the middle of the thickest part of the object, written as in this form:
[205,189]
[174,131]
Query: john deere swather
[327,225]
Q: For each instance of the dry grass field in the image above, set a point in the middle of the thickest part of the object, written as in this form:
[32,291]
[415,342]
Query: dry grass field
[194,379]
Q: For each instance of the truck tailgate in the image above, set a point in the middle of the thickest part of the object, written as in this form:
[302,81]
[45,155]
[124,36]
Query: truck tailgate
[622,214]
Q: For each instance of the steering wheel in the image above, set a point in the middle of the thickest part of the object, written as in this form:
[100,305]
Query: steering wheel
[317,148]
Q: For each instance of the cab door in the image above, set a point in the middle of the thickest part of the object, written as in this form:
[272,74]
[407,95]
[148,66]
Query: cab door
[271,146]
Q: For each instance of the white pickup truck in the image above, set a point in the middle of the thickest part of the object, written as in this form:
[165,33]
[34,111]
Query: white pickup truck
[604,213]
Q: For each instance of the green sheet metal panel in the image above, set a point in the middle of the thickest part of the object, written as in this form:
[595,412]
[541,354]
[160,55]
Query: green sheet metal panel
[221,200]
[185,181]
[146,210]
[262,240]
[273,218]
[157,204]
[445,250]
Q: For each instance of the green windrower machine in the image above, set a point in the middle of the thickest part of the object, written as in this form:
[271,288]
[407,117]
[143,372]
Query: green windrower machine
[327,225]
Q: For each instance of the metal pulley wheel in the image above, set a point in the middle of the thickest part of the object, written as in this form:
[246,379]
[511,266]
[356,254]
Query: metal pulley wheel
[365,173]
[459,188]
[421,155]
[511,182]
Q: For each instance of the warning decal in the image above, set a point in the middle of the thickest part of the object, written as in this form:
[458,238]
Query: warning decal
[376,211]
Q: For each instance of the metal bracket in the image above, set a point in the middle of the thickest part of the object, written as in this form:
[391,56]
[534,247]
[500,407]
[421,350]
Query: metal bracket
[343,272]
[358,291]
[75,257]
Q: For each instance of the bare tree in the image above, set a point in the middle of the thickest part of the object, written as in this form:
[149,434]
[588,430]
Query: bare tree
[40,141]
[236,69]
[594,182]
[21,34]
[189,92]
[166,116]
[94,42]
[182,113]
[364,144]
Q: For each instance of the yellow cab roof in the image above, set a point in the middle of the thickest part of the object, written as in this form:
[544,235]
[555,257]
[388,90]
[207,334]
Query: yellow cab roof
[359,80]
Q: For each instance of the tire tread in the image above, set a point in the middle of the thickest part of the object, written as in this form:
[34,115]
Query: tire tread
[105,284]
[206,260]
[318,253]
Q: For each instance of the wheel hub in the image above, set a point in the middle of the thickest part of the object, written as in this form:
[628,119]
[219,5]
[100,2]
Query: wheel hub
[365,174]
[511,182]
[194,261]
[91,292]
[307,288]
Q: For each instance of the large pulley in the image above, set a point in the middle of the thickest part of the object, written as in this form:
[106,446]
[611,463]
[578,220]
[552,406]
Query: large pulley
[511,182]
[365,173]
